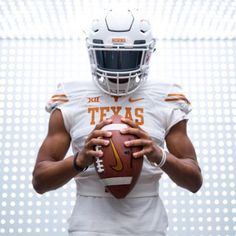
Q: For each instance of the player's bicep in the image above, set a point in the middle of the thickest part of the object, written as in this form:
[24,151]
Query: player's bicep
[57,141]
[178,142]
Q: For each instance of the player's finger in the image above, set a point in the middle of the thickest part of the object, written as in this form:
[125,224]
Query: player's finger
[146,151]
[102,124]
[135,131]
[129,122]
[138,143]
[94,153]
[99,134]
[139,154]
[96,141]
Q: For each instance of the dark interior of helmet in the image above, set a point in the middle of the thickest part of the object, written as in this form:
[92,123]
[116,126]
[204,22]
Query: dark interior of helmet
[120,81]
[118,60]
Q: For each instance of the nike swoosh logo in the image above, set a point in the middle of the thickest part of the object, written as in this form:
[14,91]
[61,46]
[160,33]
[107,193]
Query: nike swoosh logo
[119,165]
[135,100]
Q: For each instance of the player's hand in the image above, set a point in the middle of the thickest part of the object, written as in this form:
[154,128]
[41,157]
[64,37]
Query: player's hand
[150,149]
[85,157]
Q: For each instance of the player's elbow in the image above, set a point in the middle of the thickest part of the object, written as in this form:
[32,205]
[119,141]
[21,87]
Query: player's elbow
[197,184]
[196,188]
[37,187]
[37,182]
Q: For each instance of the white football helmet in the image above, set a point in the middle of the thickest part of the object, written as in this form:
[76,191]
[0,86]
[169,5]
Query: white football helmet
[120,46]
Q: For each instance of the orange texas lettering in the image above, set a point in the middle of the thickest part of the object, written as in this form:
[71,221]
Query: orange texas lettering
[97,114]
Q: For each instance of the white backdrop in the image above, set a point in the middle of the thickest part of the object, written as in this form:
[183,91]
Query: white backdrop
[30,68]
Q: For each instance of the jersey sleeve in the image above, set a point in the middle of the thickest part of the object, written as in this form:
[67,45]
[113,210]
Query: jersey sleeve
[179,106]
[57,100]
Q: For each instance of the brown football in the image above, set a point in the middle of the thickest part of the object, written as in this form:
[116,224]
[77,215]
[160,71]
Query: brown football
[118,170]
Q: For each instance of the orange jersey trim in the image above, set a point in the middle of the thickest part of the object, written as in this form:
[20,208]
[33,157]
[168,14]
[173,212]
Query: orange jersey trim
[59,100]
[59,95]
[176,97]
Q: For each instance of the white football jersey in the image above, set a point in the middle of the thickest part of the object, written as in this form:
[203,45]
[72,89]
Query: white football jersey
[156,108]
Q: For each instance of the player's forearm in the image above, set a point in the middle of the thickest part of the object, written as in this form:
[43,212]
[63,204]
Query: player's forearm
[184,172]
[49,175]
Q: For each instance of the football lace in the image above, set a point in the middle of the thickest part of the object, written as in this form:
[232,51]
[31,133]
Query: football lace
[99,162]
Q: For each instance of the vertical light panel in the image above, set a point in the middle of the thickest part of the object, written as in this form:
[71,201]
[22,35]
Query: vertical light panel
[30,70]
[206,69]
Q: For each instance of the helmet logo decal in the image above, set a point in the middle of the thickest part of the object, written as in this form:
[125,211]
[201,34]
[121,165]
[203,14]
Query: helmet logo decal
[118,40]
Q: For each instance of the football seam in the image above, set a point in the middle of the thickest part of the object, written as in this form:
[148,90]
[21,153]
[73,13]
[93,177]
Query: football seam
[99,162]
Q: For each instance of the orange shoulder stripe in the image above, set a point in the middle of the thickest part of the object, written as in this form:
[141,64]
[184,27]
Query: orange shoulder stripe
[59,100]
[177,99]
[175,94]
[59,96]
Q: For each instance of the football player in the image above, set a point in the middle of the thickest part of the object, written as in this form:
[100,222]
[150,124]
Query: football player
[120,46]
